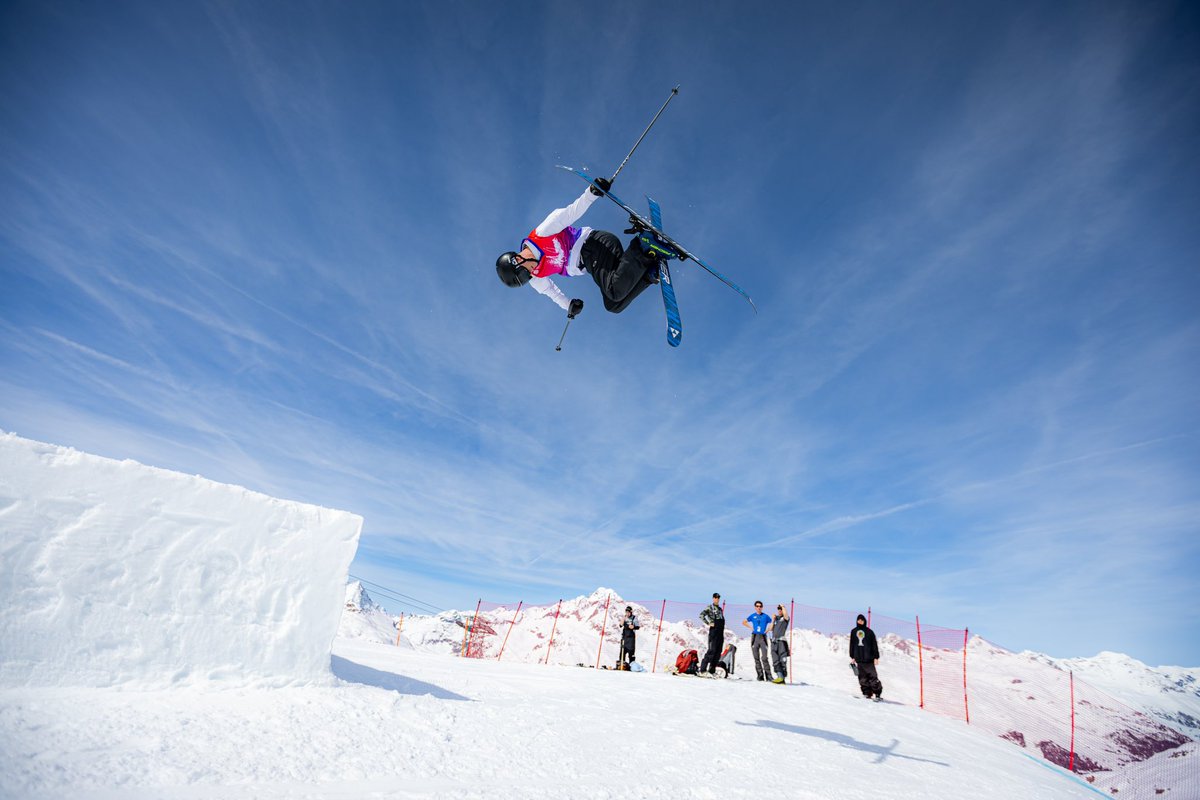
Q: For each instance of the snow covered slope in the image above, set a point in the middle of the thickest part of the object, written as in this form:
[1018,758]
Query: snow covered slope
[1024,699]
[118,573]
[407,724]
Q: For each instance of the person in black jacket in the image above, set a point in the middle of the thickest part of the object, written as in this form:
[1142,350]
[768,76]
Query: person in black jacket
[714,617]
[864,655]
[629,626]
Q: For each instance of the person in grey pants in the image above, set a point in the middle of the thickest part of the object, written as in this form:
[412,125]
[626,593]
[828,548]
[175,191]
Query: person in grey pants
[779,645]
[757,623]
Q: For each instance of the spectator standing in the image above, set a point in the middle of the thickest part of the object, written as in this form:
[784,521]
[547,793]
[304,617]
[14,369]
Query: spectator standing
[779,645]
[864,654]
[629,626]
[757,623]
[714,617]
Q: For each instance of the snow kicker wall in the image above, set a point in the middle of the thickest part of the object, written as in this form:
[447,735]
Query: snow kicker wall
[112,572]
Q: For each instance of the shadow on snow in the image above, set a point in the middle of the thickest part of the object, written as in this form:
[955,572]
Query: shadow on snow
[352,672]
[882,752]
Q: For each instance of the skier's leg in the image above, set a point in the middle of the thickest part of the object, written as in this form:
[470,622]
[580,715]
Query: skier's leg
[713,655]
[600,256]
[758,654]
[780,653]
[640,287]
[620,273]
[864,679]
[875,685]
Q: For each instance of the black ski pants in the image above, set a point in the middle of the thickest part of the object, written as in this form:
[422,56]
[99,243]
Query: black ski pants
[868,679]
[621,273]
[628,645]
[716,640]
[779,653]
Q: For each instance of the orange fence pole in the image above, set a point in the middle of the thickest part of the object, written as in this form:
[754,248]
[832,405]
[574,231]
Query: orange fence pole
[602,624]
[399,627]
[510,627]
[553,628]
[471,631]
[467,631]
[920,664]
[661,615]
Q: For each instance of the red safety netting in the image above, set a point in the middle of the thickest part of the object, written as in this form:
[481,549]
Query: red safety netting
[943,670]
[1051,713]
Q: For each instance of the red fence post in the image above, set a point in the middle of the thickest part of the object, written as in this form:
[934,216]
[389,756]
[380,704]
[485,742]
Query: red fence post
[966,708]
[467,632]
[553,628]
[790,661]
[607,600]
[1071,761]
[510,627]
[399,627]
[920,664]
[661,615]
[868,616]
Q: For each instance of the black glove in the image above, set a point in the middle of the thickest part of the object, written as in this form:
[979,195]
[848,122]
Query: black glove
[603,183]
[576,307]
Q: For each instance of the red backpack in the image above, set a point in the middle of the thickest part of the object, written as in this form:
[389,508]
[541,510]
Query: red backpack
[687,662]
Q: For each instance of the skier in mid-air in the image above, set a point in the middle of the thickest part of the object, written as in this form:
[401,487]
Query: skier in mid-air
[555,247]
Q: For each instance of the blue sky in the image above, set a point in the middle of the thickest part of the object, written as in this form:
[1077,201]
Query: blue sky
[255,241]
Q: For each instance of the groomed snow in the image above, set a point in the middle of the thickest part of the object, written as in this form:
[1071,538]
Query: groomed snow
[117,573]
[410,724]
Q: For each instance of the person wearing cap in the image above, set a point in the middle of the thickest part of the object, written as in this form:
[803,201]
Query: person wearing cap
[628,637]
[757,623]
[864,655]
[557,247]
[714,617]
[779,644]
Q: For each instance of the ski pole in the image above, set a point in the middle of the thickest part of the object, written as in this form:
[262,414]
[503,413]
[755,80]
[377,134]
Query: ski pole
[670,97]
[573,309]
[564,334]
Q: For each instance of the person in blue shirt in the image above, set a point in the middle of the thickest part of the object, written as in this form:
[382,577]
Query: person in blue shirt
[759,650]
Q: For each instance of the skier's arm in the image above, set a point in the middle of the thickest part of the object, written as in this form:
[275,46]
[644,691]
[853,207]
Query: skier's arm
[547,287]
[560,218]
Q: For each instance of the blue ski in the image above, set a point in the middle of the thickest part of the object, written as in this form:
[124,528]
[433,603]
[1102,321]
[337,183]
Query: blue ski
[671,246]
[674,323]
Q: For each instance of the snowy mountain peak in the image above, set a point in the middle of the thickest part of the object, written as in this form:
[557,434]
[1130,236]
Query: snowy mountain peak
[357,598]
[363,618]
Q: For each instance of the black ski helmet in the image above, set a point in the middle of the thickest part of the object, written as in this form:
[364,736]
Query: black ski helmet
[510,270]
